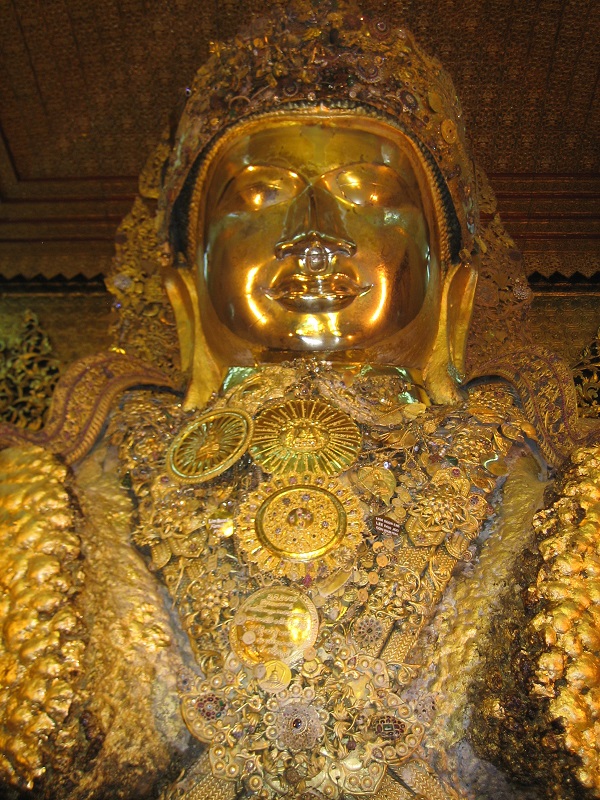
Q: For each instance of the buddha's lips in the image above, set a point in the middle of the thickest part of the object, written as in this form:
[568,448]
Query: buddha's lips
[312,293]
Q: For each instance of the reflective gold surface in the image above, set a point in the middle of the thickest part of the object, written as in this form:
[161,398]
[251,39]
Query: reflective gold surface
[305,436]
[209,445]
[318,217]
[315,237]
[275,623]
[319,231]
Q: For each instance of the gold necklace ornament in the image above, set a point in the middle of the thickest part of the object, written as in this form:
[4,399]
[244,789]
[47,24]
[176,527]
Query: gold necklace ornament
[305,436]
[209,445]
[300,527]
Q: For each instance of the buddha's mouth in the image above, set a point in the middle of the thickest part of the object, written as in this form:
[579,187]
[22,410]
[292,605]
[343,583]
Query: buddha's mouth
[313,294]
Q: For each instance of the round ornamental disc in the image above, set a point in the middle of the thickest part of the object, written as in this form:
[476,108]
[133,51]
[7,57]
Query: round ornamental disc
[449,131]
[298,526]
[274,624]
[208,446]
[301,523]
[300,436]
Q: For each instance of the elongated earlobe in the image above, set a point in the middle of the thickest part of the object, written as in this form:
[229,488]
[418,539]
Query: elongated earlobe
[197,360]
[445,367]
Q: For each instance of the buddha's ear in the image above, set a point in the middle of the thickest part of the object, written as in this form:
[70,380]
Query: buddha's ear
[197,361]
[445,367]
[182,303]
[460,308]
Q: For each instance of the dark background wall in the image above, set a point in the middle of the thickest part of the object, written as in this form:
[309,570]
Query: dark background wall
[86,88]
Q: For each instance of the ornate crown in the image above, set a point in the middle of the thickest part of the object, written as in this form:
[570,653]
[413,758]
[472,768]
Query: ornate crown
[327,54]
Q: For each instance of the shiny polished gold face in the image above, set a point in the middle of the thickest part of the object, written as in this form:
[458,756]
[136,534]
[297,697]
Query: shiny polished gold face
[315,236]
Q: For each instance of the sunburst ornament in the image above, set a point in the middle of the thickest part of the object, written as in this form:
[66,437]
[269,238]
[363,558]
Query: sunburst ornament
[300,436]
[208,446]
[300,526]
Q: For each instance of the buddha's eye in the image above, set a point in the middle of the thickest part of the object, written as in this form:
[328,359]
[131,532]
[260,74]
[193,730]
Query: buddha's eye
[258,187]
[262,194]
[368,185]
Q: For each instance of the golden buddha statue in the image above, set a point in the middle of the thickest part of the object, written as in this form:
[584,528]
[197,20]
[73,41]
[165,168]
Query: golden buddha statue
[278,561]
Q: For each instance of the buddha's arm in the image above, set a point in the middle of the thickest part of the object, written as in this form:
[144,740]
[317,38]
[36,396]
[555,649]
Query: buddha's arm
[43,634]
[539,699]
[88,658]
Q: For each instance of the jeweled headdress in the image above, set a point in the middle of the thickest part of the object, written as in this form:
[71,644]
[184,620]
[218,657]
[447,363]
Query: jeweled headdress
[334,56]
[320,55]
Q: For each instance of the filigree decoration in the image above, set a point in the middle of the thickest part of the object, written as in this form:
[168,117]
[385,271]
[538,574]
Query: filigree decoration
[253,607]
[352,713]
[301,436]
[296,723]
[82,401]
[209,445]
[586,374]
[144,324]
[298,527]
[502,299]
[448,506]
[28,374]
[545,387]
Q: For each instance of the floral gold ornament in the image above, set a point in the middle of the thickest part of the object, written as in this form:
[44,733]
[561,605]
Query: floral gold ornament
[296,527]
[301,436]
[359,724]
[450,504]
[276,623]
[209,445]
[379,481]
[320,176]
[296,724]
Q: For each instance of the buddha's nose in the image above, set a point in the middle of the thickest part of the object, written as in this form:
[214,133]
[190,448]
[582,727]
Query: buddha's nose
[314,232]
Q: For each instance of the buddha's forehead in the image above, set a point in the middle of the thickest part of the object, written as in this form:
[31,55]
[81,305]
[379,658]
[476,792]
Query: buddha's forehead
[312,146]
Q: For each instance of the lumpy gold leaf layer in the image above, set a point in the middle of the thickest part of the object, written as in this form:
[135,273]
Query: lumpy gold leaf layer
[42,645]
[568,672]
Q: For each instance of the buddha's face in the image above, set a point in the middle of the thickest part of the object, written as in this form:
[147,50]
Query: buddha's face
[315,237]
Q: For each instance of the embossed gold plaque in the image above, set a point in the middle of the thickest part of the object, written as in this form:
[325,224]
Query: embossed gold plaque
[276,676]
[274,624]
[208,446]
[305,436]
[301,523]
[299,526]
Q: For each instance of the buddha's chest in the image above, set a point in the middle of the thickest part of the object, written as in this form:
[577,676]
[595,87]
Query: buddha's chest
[306,536]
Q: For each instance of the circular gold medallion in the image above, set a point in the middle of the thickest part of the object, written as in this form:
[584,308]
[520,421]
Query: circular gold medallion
[435,101]
[305,436]
[208,446]
[275,624]
[449,131]
[301,523]
[300,526]
[275,676]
